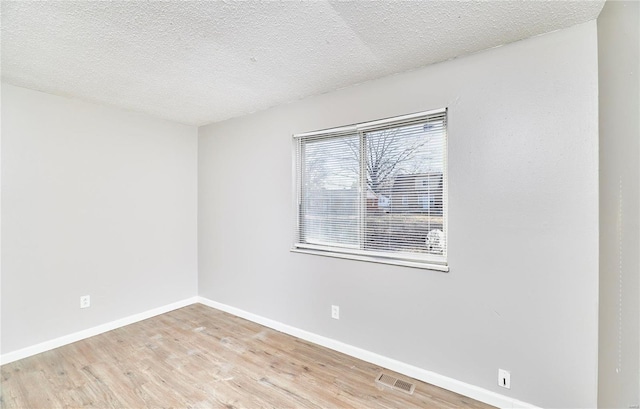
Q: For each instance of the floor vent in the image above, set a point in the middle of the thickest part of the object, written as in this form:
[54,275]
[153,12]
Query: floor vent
[395,383]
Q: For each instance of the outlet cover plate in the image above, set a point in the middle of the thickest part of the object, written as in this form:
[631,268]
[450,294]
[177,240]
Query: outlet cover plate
[335,312]
[85,301]
[504,378]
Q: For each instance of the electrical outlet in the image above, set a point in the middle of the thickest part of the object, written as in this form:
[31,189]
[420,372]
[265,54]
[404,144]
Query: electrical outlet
[335,312]
[85,301]
[504,378]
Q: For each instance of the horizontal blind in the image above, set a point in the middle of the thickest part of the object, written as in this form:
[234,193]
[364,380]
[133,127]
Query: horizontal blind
[329,212]
[375,189]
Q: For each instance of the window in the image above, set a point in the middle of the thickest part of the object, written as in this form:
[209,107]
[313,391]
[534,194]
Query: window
[375,191]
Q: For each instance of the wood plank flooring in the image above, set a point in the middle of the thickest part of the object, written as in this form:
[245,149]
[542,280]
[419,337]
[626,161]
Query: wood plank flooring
[199,357]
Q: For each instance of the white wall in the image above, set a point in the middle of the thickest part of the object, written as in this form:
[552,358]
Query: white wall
[95,200]
[522,292]
[619,83]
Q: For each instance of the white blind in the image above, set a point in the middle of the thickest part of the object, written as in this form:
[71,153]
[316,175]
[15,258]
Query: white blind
[375,189]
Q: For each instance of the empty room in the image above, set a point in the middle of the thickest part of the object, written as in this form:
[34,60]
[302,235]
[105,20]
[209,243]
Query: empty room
[320,204]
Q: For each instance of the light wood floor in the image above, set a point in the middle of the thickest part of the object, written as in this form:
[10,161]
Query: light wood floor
[199,357]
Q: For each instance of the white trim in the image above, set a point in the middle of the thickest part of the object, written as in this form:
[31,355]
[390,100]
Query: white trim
[471,391]
[90,332]
[400,119]
[307,249]
[327,132]
[371,124]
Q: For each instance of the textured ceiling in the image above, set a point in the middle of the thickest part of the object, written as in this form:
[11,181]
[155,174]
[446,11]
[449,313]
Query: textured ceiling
[200,62]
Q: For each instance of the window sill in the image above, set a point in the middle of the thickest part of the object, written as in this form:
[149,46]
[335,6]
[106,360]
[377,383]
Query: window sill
[380,260]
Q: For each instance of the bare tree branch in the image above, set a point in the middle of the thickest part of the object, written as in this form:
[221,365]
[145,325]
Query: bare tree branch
[387,153]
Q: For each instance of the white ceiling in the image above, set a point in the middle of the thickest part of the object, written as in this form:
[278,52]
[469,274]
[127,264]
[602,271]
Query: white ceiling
[206,61]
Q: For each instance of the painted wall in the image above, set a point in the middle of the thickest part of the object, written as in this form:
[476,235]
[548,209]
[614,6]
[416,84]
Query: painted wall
[522,293]
[619,74]
[97,201]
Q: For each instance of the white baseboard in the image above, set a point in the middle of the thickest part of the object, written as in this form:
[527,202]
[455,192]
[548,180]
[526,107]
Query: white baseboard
[90,332]
[472,391]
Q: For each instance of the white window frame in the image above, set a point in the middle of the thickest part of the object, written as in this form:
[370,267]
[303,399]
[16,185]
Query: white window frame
[418,260]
